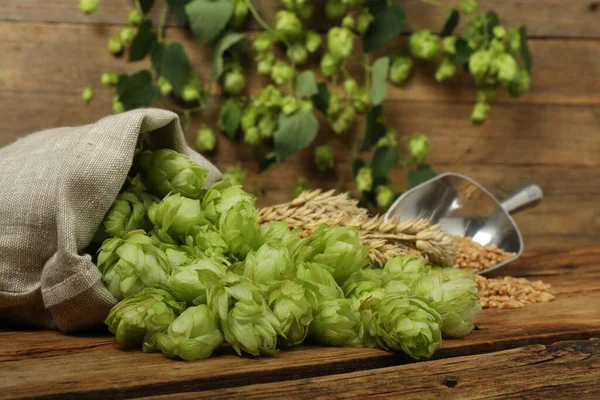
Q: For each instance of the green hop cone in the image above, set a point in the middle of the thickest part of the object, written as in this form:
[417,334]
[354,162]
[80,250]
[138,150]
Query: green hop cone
[221,196]
[287,26]
[306,105]
[505,68]
[480,112]
[191,283]
[297,53]
[364,284]
[336,323]
[404,268]
[351,87]
[87,94]
[251,136]
[348,22]
[128,213]
[175,256]
[302,184]
[400,69]
[344,120]
[240,13]
[134,17]
[235,176]
[513,41]
[115,46]
[234,82]
[468,7]
[109,79]
[384,195]
[340,42]
[88,6]
[424,44]
[117,105]
[389,140]
[239,228]
[418,148]
[316,278]
[330,66]
[262,42]
[269,263]
[401,324]
[278,232]
[194,335]
[455,300]
[167,171]
[340,250]
[446,70]
[205,242]
[479,64]
[165,86]
[364,21]
[176,215]
[268,124]
[289,105]
[264,63]
[270,96]
[335,9]
[206,139]
[520,85]
[313,41]
[249,118]
[127,35]
[131,262]
[364,179]
[293,306]
[324,158]
[282,73]
[499,32]
[190,93]
[137,319]
[449,45]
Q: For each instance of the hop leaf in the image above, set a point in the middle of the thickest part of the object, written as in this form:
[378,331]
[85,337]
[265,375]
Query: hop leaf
[131,262]
[166,171]
[397,323]
[191,283]
[293,306]
[336,323]
[137,319]
[193,335]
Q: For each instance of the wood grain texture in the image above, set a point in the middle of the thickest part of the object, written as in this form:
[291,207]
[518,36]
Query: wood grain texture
[546,18]
[569,369]
[90,366]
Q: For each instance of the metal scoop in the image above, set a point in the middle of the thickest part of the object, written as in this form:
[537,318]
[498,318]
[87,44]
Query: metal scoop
[464,208]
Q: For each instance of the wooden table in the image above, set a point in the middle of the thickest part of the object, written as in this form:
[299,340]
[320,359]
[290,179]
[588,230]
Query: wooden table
[540,351]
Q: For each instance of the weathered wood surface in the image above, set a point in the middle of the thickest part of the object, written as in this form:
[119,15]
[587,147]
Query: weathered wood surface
[550,137]
[90,366]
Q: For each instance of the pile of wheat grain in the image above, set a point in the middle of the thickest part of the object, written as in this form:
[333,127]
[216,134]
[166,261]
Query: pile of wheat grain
[390,238]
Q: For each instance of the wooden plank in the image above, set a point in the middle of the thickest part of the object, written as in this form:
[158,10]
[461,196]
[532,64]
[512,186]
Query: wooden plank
[547,18]
[90,366]
[41,57]
[569,369]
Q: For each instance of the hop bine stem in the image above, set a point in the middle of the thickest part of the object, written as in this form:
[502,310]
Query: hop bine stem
[164,11]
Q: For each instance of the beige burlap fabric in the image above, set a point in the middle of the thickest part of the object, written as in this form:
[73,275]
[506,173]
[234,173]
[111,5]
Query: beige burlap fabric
[56,187]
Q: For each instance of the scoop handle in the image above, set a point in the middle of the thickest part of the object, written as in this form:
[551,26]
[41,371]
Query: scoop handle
[529,195]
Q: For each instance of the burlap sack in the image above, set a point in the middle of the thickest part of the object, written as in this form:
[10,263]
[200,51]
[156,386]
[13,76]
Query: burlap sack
[55,188]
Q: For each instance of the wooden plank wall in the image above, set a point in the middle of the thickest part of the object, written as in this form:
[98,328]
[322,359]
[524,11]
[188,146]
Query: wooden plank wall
[49,51]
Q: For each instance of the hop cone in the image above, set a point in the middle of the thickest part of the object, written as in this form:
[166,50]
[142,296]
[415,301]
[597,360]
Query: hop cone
[405,269]
[190,283]
[222,196]
[317,279]
[128,213]
[176,256]
[341,250]
[364,284]
[193,335]
[205,242]
[131,262]
[455,300]
[278,232]
[293,306]
[336,323]
[167,171]
[176,215]
[138,318]
[239,228]
[397,323]
[268,263]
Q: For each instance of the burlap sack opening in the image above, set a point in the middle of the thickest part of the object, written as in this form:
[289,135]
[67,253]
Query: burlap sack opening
[56,187]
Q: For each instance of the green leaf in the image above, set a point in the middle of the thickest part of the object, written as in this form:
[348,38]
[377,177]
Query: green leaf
[137,90]
[375,128]
[171,62]
[386,26]
[379,73]
[221,47]
[384,160]
[451,23]
[525,52]
[177,7]
[306,84]
[295,132]
[463,53]
[321,99]
[146,5]
[423,173]
[208,18]
[142,42]
[357,164]
[229,118]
